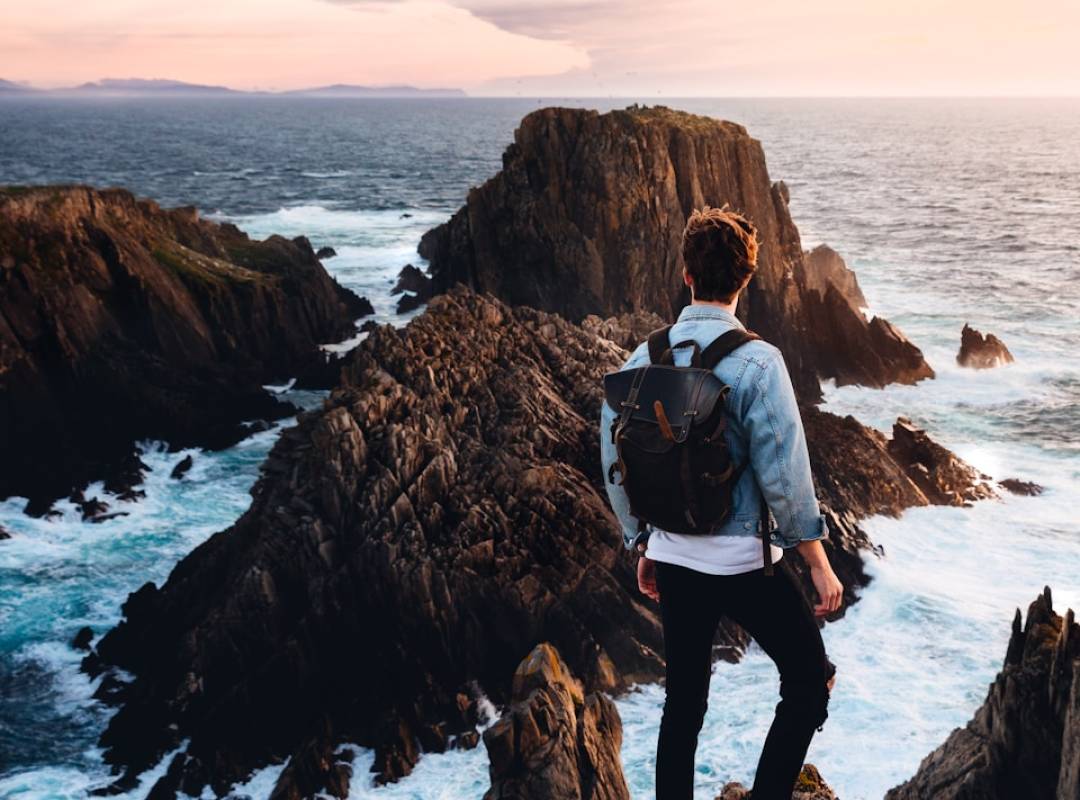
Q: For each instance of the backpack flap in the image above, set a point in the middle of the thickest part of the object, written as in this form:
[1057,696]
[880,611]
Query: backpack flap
[687,396]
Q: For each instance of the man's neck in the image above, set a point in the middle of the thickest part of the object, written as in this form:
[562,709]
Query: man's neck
[728,307]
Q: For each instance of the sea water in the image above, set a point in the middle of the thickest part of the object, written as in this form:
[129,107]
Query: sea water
[950,211]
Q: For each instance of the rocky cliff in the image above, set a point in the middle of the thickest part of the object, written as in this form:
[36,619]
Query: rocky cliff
[554,742]
[413,540]
[981,352]
[121,321]
[1024,741]
[587,214]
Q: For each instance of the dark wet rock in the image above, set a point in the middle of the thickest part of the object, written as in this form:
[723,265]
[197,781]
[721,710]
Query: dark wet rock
[587,214]
[412,279]
[368,326]
[315,769]
[1024,741]
[1017,486]
[182,467]
[808,786]
[554,742]
[825,267]
[981,352]
[409,302]
[410,542]
[4,534]
[325,252]
[83,639]
[120,321]
[939,474]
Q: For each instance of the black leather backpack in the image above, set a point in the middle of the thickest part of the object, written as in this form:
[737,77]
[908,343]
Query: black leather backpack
[673,459]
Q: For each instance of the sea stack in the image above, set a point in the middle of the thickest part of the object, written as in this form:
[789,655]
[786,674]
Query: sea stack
[120,321]
[1024,741]
[981,352]
[586,217]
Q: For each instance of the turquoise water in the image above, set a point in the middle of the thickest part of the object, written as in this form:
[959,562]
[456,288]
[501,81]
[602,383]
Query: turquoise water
[950,212]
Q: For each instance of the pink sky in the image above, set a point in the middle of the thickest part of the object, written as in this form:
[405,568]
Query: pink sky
[565,47]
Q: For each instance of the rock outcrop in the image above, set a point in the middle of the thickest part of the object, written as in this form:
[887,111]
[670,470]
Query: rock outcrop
[939,474]
[587,214]
[554,742]
[1024,741]
[412,540]
[981,352]
[808,786]
[121,321]
[825,267]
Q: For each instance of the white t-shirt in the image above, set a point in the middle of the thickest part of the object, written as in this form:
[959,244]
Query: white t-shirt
[715,555]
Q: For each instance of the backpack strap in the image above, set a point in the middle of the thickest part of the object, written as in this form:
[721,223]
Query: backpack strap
[659,344]
[722,345]
[766,538]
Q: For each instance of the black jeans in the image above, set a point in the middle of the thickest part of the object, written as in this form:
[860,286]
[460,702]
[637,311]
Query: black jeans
[773,610]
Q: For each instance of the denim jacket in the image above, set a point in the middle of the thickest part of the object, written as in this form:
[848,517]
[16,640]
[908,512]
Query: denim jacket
[764,423]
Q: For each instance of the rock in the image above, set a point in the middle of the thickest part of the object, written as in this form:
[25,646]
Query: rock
[325,252]
[626,330]
[808,786]
[825,267]
[411,279]
[315,769]
[939,474]
[4,534]
[981,352]
[182,467]
[120,321]
[587,215]
[1024,741]
[408,302]
[555,743]
[83,638]
[1017,486]
[408,542]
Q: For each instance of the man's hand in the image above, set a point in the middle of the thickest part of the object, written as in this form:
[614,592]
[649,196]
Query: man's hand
[830,590]
[646,578]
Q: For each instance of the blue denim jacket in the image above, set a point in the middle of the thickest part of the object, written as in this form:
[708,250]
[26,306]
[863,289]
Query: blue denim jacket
[764,421]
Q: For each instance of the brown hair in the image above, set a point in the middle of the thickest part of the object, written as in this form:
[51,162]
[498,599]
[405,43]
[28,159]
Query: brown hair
[719,248]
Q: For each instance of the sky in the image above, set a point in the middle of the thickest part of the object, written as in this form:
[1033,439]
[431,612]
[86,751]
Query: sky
[562,48]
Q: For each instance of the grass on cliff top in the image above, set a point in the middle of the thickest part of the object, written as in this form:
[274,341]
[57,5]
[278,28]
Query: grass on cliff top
[681,119]
[205,270]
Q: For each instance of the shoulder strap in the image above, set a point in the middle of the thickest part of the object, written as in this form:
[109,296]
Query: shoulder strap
[659,344]
[722,345]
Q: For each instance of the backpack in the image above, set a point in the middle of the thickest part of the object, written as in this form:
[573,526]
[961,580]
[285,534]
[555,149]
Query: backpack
[673,459]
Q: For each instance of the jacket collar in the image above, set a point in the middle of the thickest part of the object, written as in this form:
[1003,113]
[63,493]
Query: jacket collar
[701,311]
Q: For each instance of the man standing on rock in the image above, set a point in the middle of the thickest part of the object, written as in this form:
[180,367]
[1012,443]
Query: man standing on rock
[699,578]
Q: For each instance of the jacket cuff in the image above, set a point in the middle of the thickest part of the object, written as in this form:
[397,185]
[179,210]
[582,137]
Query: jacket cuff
[632,540]
[808,529]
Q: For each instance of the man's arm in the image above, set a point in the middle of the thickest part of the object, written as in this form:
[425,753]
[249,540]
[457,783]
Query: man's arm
[620,503]
[781,464]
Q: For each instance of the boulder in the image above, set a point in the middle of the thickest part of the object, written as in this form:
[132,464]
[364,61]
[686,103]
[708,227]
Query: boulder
[182,467]
[1017,486]
[1024,741]
[325,252]
[586,217]
[825,267]
[554,742]
[120,321]
[411,279]
[981,352]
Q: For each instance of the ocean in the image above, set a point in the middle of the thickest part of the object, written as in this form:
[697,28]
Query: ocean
[950,211]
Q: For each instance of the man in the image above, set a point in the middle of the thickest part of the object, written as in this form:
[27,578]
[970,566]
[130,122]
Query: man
[698,578]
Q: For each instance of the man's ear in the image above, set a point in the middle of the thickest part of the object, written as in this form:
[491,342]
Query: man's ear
[687,279]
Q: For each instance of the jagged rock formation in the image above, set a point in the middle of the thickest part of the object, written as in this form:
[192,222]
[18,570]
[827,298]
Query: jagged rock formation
[981,352]
[440,516]
[1024,741]
[808,786]
[121,321]
[825,267]
[554,742]
[939,474]
[587,214]
[626,330]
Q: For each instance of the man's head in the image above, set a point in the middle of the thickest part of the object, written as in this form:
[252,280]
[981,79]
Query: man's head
[719,249]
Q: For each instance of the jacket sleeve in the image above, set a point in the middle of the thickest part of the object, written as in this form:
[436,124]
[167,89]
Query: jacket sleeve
[620,503]
[778,454]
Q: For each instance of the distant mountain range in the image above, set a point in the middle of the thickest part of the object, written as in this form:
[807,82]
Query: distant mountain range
[151,87]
